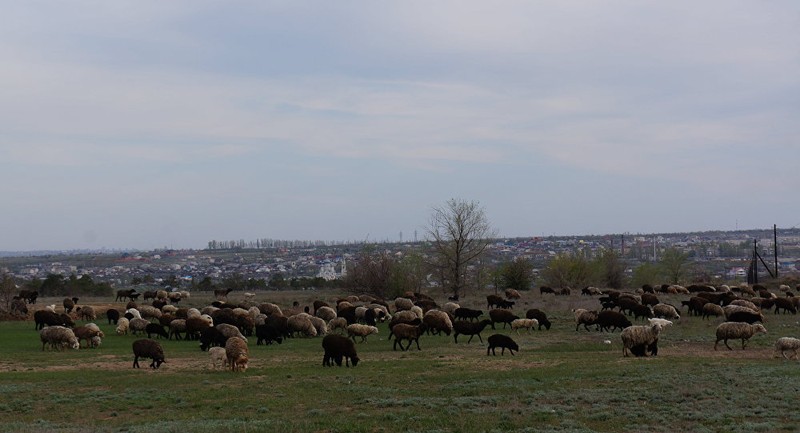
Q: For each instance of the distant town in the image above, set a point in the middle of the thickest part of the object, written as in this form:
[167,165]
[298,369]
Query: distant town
[725,255]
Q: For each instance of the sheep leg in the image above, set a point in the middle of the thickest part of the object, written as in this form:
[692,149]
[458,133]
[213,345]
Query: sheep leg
[726,344]
[744,343]
[470,338]
[416,340]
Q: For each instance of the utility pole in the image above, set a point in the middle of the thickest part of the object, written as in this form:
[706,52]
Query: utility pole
[775,238]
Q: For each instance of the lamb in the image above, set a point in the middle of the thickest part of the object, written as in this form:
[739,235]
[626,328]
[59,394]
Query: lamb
[711,309]
[438,321]
[337,347]
[518,324]
[404,331]
[502,341]
[469,328]
[123,324]
[58,337]
[358,330]
[237,353]
[737,330]
[539,315]
[500,315]
[666,311]
[325,313]
[218,357]
[645,336]
[146,348]
[785,344]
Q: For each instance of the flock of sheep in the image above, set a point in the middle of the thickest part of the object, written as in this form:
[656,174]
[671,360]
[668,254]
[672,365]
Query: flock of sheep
[223,329]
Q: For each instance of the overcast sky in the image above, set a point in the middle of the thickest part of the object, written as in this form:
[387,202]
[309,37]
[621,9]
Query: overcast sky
[144,124]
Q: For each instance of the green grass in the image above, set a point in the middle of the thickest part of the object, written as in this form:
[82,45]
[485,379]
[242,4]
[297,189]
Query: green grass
[561,381]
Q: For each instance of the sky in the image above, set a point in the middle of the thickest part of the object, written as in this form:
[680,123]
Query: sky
[151,124]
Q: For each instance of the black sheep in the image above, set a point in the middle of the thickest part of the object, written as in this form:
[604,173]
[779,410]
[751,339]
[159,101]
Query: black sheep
[539,315]
[337,347]
[641,349]
[112,315]
[606,320]
[785,304]
[155,328]
[267,334]
[745,316]
[469,328]
[500,315]
[467,313]
[210,336]
[146,348]
[493,301]
[641,311]
[502,341]
[44,318]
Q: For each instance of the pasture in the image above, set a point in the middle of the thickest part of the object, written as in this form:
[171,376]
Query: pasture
[560,381]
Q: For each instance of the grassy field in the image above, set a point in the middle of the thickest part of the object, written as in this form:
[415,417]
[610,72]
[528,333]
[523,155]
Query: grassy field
[561,381]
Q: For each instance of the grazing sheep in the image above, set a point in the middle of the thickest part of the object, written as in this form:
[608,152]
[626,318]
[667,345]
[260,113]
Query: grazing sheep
[401,304]
[472,329]
[337,323]
[51,307]
[20,308]
[512,294]
[44,318]
[786,304]
[176,328]
[133,312]
[711,309]
[358,330]
[301,324]
[539,315]
[337,347]
[502,341]
[737,330]
[785,344]
[319,325]
[493,301]
[663,322]
[450,308]
[146,348]
[219,358]
[267,333]
[325,313]
[666,311]
[639,336]
[270,309]
[156,328]
[608,319]
[518,324]
[695,305]
[88,332]
[58,337]
[500,315]
[437,322]
[138,325]
[123,324]
[744,303]
[237,353]
[112,315]
[746,317]
[405,316]
[229,331]
[584,317]
[69,304]
[730,309]
[467,313]
[404,331]
[86,313]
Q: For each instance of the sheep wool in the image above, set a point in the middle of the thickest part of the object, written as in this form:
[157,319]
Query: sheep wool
[666,311]
[358,330]
[639,336]
[736,331]
[437,322]
[337,323]
[122,326]
[58,337]
[526,324]
[237,353]
[786,344]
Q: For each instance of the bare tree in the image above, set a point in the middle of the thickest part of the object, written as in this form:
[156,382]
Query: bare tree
[459,233]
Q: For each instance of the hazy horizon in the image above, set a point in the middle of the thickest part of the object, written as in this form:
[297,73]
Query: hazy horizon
[143,124]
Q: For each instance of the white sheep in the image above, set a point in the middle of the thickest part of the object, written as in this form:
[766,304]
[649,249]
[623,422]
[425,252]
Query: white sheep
[193,312]
[58,337]
[450,308]
[148,312]
[51,307]
[663,322]
[320,325]
[785,344]
[711,309]
[337,323]
[237,353]
[325,313]
[218,357]
[737,330]
[122,326]
[134,312]
[138,325]
[666,311]
[301,323]
[358,330]
[229,331]
[633,336]
[418,311]
[401,304]
[518,324]
[171,309]
[730,309]
[405,316]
